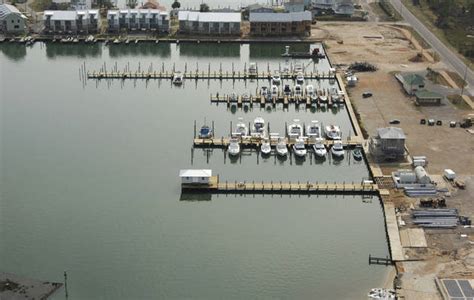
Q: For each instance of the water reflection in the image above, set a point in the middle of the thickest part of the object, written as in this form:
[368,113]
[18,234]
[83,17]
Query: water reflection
[13,51]
[195,197]
[80,50]
[142,49]
[272,50]
[209,50]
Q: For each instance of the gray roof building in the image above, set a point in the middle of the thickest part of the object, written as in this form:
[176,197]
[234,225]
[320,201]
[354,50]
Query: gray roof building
[281,17]
[11,19]
[388,144]
[391,133]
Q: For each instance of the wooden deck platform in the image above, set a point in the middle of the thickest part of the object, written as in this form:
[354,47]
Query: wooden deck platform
[395,244]
[256,142]
[215,185]
[219,75]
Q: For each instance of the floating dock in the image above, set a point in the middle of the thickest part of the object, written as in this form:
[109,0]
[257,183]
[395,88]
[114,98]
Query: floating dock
[216,186]
[254,142]
[280,98]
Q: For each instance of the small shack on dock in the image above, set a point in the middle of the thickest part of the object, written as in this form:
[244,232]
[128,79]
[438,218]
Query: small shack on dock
[195,176]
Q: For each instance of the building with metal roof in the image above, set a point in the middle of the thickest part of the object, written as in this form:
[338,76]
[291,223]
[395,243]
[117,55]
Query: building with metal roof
[223,23]
[12,21]
[292,23]
[388,144]
[411,82]
[71,21]
[138,19]
[192,176]
[425,97]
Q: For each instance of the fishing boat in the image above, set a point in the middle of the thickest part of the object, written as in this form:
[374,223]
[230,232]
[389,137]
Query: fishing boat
[274,91]
[205,132]
[323,96]
[309,90]
[240,129]
[266,149]
[337,149]
[177,78]
[287,90]
[298,90]
[234,147]
[299,148]
[313,130]
[276,78]
[258,127]
[300,78]
[282,148]
[357,154]
[264,91]
[333,132]
[295,130]
[319,148]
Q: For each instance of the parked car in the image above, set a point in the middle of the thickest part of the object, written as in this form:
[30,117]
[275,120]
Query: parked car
[366,94]
[394,121]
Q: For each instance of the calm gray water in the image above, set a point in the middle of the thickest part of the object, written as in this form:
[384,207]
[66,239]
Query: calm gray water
[89,185]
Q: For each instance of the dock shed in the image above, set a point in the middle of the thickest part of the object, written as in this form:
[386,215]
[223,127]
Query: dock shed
[388,144]
[199,176]
[425,97]
[11,19]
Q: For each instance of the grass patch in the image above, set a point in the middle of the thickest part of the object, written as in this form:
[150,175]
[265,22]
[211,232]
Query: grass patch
[459,102]
[40,5]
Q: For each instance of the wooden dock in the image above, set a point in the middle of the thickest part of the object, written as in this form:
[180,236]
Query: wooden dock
[217,186]
[395,244]
[196,75]
[254,142]
[280,98]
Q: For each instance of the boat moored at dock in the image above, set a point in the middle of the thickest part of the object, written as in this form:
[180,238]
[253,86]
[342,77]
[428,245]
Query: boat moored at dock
[295,130]
[333,132]
[299,148]
[234,147]
[313,130]
[319,148]
[337,149]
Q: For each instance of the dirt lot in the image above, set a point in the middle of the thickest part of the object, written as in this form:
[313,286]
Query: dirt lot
[390,51]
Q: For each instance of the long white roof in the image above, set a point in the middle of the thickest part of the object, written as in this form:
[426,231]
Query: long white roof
[280,17]
[195,173]
[68,15]
[232,17]
[7,9]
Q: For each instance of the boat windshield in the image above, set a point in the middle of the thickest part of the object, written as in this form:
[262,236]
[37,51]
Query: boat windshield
[299,146]
[205,130]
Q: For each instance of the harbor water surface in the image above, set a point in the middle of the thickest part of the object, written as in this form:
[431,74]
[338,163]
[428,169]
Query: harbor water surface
[89,183]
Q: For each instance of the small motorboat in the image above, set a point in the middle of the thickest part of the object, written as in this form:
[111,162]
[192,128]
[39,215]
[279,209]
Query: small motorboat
[313,130]
[177,78]
[205,132]
[323,96]
[357,154]
[295,130]
[309,90]
[240,129]
[234,147]
[264,91]
[319,148]
[300,78]
[299,148]
[282,148]
[333,132]
[287,90]
[258,127]
[337,149]
[116,41]
[127,41]
[266,149]
[253,69]
[314,98]
[298,90]
[276,78]
[274,91]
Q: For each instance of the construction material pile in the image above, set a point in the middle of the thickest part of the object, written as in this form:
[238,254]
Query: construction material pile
[436,218]
[362,67]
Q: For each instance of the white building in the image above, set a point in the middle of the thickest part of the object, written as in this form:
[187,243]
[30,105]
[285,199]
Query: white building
[202,176]
[11,19]
[71,21]
[138,19]
[222,23]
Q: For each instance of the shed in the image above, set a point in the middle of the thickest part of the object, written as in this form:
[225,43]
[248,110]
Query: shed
[425,97]
[422,176]
[11,19]
[193,176]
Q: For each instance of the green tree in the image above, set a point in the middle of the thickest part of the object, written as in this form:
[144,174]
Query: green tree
[132,3]
[176,4]
[204,7]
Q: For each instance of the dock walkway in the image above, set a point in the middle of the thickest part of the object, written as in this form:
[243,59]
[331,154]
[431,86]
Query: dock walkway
[396,249]
[256,142]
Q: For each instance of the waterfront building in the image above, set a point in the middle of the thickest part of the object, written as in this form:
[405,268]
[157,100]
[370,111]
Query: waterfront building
[138,19]
[425,97]
[222,23]
[71,21]
[292,23]
[11,19]
[388,144]
[200,177]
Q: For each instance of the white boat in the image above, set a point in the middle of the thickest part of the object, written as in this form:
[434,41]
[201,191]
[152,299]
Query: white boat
[295,130]
[298,90]
[276,78]
[274,91]
[382,294]
[266,149]
[258,127]
[234,147]
[264,91]
[253,69]
[287,90]
[309,90]
[313,130]
[298,68]
[319,148]
[240,129]
[205,132]
[333,132]
[282,148]
[116,41]
[323,96]
[337,149]
[177,78]
[299,148]
[300,78]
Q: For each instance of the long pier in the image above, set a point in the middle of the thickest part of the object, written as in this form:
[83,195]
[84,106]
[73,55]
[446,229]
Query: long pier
[196,75]
[273,99]
[249,141]
[272,187]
